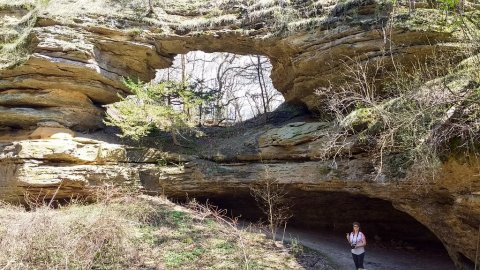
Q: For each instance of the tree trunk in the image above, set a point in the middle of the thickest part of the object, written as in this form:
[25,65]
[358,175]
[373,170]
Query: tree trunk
[262,87]
[150,11]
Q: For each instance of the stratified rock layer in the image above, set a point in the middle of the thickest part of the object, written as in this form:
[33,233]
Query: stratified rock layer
[86,54]
[448,206]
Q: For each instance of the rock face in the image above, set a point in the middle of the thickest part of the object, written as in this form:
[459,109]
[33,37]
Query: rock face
[40,167]
[76,58]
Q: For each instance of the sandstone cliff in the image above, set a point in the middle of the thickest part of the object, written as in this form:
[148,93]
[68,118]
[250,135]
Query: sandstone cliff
[65,60]
[84,50]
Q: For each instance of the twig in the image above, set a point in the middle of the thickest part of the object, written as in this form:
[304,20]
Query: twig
[54,195]
[478,241]
[284,229]
[219,215]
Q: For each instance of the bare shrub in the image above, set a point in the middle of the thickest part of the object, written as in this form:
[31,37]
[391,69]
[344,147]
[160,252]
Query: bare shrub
[75,235]
[220,215]
[94,237]
[271,197]
[409,124]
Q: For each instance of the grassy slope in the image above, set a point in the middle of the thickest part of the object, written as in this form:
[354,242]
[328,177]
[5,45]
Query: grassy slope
[187,16]
[130,232]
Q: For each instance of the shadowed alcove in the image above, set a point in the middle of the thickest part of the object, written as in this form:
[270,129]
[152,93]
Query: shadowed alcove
[334,212]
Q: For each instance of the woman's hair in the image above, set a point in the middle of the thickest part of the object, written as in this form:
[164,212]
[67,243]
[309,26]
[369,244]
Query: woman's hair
[356,223]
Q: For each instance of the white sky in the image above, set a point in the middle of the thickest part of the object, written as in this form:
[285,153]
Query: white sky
[239,76]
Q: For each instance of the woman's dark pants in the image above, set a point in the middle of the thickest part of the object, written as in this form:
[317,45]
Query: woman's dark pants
[358,260]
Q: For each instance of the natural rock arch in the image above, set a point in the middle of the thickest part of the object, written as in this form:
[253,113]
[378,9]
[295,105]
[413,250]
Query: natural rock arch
[75,65]
[88,59]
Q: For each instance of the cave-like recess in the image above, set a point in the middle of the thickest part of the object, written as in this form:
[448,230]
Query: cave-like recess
[334,212]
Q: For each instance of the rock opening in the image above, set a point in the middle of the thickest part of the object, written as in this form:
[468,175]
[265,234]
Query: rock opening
[235,87]
[334,212]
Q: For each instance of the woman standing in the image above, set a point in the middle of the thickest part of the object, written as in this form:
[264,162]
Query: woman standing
[357,241]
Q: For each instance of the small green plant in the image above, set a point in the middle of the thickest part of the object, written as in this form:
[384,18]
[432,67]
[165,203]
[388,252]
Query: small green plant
[178,259]
[253,265]
[225,246]
[296,248]
[163,106]
[448,5]
[178,217]
[162,161]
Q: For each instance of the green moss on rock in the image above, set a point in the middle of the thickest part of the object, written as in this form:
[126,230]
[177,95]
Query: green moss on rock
[360,119]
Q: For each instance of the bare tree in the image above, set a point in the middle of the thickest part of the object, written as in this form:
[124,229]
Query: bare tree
[271,197]
[256,73]
[229,83]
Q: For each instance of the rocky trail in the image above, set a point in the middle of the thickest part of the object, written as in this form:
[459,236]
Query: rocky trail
[334,247]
